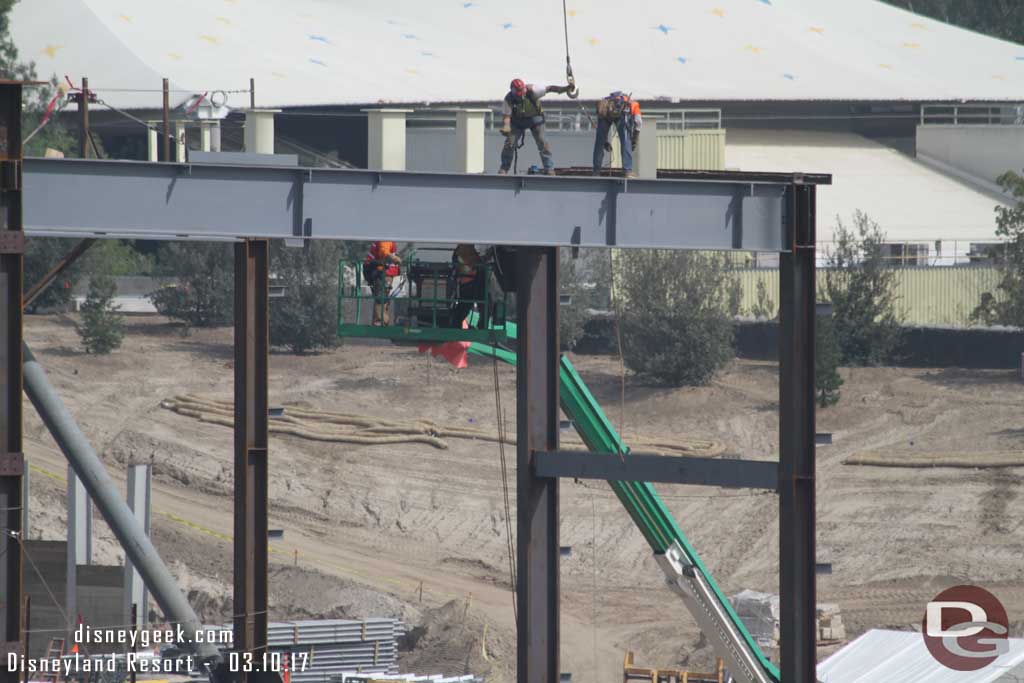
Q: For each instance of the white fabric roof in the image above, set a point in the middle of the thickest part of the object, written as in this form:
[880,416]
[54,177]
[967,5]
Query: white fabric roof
[307,52]
[909,200]
[902,656]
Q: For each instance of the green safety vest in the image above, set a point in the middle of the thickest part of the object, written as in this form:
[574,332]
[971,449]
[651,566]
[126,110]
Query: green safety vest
[526,107]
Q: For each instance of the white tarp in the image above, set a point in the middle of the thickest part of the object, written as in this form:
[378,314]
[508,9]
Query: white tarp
[308,52]
[900,656]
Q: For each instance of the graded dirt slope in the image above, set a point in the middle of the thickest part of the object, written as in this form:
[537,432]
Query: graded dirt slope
[367,526]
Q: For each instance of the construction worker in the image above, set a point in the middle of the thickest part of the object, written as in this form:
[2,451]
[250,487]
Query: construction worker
[521,111]
[381,265]
[622,112]
[468,275]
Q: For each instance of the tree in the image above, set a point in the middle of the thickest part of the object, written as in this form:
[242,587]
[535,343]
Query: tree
[36,99]
[204,293]
[306,317]
[102,327]
[861,288]
[764,308]
[1007,308]
[676,313]
[42,254]
[998,18]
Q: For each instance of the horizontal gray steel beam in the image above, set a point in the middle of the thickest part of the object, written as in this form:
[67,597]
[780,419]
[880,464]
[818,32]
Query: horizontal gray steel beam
[112,199]
[659,469]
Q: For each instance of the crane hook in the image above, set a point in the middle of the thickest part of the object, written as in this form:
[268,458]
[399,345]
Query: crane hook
[573,91]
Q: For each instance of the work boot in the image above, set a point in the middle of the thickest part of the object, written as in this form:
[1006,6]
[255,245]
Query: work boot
[631,174]
[549,171]
[502,171]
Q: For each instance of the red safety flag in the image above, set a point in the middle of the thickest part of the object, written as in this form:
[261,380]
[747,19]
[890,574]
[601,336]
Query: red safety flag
[455,352]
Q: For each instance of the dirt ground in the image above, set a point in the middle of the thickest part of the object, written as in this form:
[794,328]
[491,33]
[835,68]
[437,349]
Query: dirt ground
[368,529]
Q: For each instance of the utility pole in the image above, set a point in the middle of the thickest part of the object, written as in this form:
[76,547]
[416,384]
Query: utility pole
[252,93]
[83,120]
[167,121]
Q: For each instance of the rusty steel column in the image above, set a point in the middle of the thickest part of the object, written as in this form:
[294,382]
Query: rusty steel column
[537,506]
[252,341]
[12,460]
[797,589]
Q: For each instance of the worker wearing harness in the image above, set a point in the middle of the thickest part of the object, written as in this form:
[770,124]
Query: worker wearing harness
[468,282]
[381,265]
[521,111]
[620,111]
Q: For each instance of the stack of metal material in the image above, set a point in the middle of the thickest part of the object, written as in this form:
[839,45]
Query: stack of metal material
[337,645]
[363,678]
[321,650]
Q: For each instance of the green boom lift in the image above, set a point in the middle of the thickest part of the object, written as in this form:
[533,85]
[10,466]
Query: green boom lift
[424,303]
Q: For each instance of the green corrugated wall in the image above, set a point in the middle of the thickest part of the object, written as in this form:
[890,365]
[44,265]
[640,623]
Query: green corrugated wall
[925,295]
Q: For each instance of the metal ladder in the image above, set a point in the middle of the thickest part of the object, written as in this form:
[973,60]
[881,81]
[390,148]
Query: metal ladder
[55,650]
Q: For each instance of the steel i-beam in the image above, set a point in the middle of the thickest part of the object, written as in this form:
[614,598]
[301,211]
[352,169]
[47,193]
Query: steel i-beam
[252,341]
[537,426]
[797,590]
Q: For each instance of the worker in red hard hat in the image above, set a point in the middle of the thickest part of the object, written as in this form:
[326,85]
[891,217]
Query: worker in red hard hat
[521,111]
[381,266]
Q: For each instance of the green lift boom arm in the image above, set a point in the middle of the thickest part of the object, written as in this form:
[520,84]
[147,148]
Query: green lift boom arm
[685,572]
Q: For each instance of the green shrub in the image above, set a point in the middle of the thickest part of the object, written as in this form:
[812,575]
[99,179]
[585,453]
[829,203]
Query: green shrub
[826,362]
[676,315]
[204,294]
[1007,307]
[306,317]
[102,327]
[861,287]
[585,281]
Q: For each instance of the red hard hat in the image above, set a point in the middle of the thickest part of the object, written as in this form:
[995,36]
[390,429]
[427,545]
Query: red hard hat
[518,87]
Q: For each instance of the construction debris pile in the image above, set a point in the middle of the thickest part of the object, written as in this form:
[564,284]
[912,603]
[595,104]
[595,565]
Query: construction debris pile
[759,613]
[324,425]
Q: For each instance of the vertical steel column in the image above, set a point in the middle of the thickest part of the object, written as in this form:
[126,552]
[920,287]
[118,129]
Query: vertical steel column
[537,498]
[136,596]
[797,590]
[79,545]
[252,341]
[12,460]
[83,121]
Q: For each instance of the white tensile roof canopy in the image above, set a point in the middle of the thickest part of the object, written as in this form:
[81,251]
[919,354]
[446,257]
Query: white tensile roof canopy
[334,52]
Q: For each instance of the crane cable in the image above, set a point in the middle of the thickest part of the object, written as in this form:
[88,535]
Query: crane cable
[573,91]
[510,542]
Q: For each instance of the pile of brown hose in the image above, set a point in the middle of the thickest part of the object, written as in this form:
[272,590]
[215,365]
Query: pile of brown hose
[939,459]
[323,425]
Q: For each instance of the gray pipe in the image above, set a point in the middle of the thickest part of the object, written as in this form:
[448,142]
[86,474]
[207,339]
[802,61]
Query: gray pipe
[103,491]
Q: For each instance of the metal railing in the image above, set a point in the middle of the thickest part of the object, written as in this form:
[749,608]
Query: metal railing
[1002,114]
[942,252]
[585,120]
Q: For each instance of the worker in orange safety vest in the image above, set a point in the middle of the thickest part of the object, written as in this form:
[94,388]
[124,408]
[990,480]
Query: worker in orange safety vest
[381,265]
